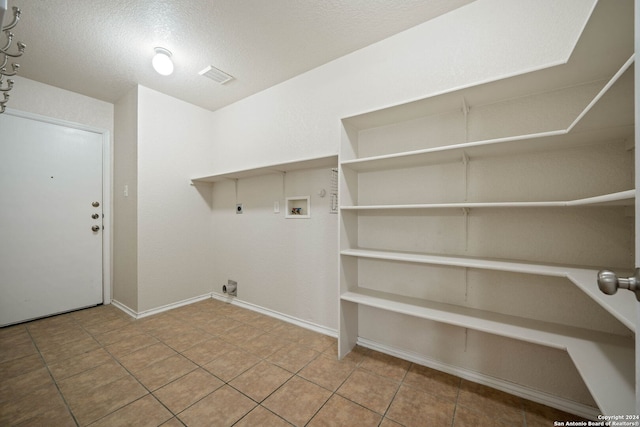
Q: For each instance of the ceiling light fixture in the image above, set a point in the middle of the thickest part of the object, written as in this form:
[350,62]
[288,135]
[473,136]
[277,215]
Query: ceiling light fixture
[5,54]
[162,62]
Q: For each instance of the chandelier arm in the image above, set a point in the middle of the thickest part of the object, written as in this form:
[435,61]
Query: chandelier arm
[14,55]
[16,18]
[15,67]
[8,88]
[4,102]
[9,40]
[21,48]
[4,59]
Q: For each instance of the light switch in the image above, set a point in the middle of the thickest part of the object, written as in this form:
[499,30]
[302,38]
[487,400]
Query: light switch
[276,207]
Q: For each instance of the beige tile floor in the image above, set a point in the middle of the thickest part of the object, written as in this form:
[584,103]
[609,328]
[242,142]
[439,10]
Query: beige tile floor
[214,364]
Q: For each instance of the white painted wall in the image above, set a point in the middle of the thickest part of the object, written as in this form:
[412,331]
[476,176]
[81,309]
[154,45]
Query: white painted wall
[125,207]
[39,98]
[175,242]
[284,265]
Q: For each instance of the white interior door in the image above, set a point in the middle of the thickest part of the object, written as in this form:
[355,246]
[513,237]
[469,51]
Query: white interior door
[50,198]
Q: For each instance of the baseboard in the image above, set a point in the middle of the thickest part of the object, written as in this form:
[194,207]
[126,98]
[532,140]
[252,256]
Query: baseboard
[280,316]
[537,396]
[129,311]
[157,310]
[234,301]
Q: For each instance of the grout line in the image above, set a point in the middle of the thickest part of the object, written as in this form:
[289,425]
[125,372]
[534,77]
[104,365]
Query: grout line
[55,382]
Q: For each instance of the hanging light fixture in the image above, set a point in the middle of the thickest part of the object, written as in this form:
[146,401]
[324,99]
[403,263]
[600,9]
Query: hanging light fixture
[162,62]
[5,87]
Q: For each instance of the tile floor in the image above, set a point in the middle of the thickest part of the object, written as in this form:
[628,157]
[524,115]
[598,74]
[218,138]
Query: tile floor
[214,364]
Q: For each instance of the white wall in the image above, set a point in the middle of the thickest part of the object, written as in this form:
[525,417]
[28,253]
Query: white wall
[125,207]
[284,265]
[175,260]
[39,98]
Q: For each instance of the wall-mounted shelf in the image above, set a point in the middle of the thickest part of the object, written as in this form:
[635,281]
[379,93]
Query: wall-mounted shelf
[621,198]
[311,163]
[619,305]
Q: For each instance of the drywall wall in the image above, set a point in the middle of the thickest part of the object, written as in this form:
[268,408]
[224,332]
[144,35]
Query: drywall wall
[285,265]
[175,261]
[39,98]
[125,202]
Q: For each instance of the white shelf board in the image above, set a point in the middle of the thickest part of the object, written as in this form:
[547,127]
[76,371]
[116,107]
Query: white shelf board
[620,305]
[613,355]
[519,328]
[549,140]
[554,140]
[608,372]
[621,198]
[312,163]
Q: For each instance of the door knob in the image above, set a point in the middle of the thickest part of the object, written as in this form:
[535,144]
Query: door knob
[95,228]
[95,216]
[95,204]
[609,282]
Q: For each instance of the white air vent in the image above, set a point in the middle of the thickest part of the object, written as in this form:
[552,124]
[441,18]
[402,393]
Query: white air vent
[216,75]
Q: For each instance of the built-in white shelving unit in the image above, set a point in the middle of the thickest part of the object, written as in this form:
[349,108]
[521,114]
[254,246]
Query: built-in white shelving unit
[531,175]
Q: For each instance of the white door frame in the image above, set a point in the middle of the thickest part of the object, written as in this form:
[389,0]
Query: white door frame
[107,155]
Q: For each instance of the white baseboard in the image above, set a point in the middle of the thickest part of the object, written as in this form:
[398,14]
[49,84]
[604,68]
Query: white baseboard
[157,310]
[284,317]
[537,396]
[124,308]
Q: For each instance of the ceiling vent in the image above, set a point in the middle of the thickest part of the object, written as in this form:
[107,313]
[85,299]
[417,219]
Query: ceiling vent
[216,75]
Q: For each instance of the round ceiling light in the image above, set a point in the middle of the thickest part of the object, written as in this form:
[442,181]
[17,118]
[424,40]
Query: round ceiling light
[162,62]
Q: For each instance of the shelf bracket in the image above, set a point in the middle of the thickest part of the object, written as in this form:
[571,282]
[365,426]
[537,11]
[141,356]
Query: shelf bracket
[465,212]
[235,183]
[465,163]
[466,284]
[465,113]
[284,187]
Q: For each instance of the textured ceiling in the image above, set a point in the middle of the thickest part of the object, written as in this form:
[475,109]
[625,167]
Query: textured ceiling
[103,48]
